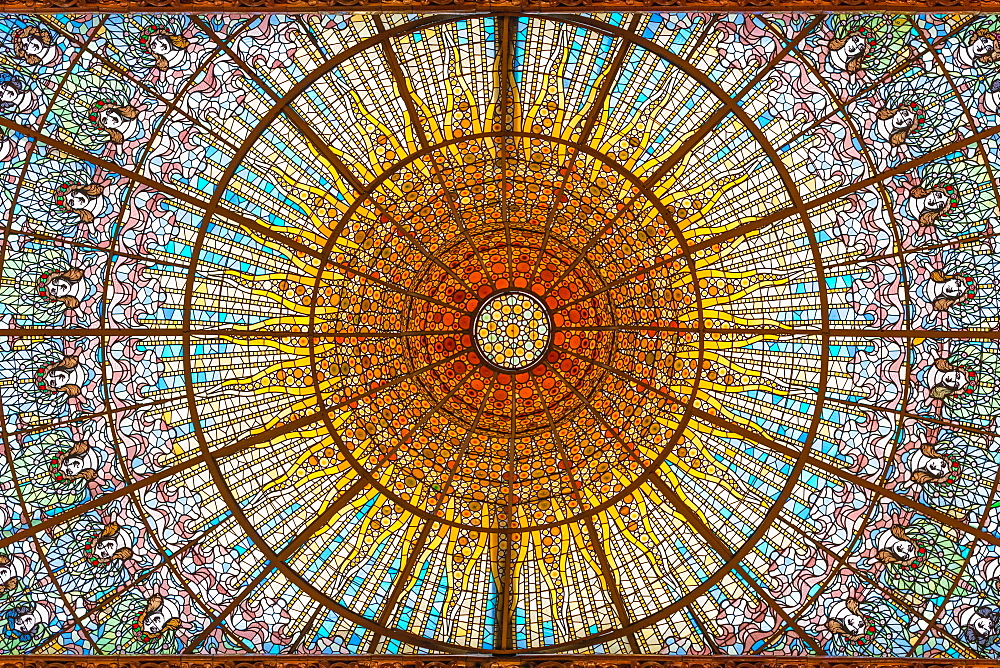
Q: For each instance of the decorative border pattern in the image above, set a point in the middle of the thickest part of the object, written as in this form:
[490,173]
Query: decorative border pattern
[486,6]
[465,661]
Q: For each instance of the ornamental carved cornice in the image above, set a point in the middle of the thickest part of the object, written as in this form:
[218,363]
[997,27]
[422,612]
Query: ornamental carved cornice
[491,6]
[442,661]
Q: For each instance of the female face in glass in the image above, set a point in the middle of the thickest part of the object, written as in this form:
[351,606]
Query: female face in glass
[982,46]
[112,119]
[935,201]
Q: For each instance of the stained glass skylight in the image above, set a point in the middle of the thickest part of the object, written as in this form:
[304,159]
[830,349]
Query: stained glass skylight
[599,333]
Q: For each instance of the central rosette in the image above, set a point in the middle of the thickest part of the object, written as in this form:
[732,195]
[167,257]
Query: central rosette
[512,330]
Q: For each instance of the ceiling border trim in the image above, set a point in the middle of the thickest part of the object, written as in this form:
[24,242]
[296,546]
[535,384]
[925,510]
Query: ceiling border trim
[492,6]
[481,661]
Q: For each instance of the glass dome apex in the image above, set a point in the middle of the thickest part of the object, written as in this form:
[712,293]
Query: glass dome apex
[512,330]
[247,407]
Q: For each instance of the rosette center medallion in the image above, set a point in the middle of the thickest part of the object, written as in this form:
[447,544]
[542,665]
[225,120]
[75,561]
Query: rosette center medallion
[512,331]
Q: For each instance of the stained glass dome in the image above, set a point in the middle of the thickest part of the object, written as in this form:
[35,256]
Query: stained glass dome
[658,333]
